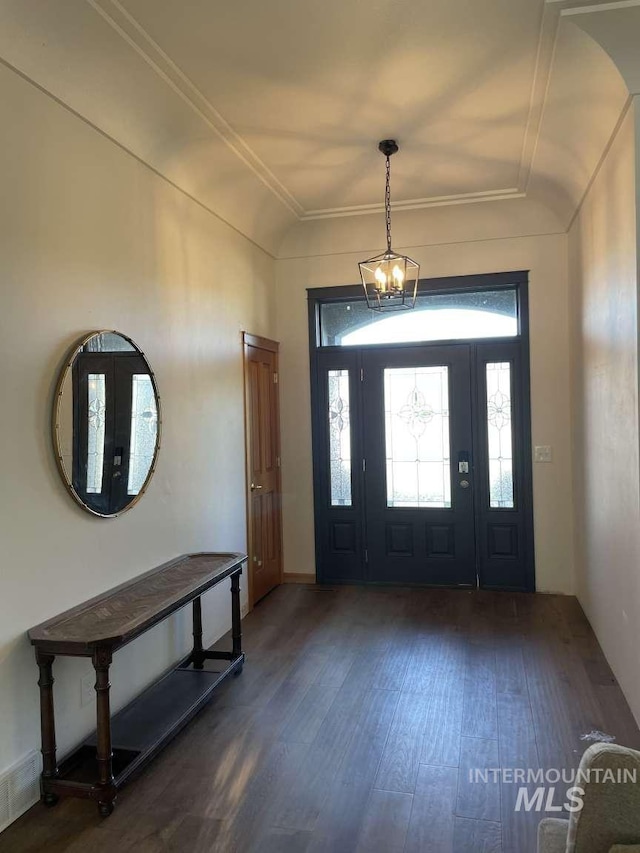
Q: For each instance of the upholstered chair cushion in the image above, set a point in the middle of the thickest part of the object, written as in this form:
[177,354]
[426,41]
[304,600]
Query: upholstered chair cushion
[611,811]
[609,821]
[552,835]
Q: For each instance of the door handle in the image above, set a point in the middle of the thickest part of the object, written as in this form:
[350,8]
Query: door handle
[255,488]
[464,484]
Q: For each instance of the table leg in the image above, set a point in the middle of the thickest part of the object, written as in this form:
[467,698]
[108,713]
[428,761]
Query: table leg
[236,627]
[47,723]
[101,663]
[196,655]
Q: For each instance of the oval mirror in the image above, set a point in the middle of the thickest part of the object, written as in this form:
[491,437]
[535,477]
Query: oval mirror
[106,423]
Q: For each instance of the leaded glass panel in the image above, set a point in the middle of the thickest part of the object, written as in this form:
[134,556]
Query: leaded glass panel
[97,393]
[339,437]
[418,459]
[500,435]
[144,431]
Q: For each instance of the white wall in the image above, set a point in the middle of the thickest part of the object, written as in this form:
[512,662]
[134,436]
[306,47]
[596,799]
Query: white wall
[90,238]
[604,294]
[545,257]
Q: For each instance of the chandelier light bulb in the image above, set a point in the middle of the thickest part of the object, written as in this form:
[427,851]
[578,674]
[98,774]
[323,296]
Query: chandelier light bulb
[381,278]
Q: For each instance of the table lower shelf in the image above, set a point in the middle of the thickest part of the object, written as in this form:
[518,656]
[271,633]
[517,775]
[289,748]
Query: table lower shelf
[142,728]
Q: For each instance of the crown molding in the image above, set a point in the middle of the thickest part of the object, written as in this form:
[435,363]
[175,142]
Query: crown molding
[129,29]
[589,9]
[131,153]
[547,41]
[137,38]
[602,160]
[414,204]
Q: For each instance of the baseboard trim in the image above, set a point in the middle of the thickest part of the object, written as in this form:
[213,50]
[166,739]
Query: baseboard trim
[298,578]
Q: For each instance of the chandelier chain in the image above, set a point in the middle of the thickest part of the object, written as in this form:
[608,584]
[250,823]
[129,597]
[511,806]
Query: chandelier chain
[387,203]
[390,280]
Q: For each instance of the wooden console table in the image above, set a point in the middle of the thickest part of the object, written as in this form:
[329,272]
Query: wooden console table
[96,629]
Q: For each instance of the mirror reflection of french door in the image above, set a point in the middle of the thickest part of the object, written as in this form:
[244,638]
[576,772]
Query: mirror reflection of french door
[115,428]
[422,464]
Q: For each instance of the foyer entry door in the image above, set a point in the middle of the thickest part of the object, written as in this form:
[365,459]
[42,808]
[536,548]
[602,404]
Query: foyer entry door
[417,441]
[422,436]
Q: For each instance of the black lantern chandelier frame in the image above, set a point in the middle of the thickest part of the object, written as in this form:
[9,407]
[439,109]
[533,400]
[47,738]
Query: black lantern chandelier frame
[390,280]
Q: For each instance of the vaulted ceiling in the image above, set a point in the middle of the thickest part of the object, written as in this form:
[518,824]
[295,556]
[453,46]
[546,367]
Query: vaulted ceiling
[310,88]
[269,112]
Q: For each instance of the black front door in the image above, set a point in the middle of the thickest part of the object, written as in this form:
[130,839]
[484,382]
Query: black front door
[422,458]
[417,450]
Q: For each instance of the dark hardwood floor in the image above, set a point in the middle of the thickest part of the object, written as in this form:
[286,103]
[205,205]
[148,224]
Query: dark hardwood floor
[354,726]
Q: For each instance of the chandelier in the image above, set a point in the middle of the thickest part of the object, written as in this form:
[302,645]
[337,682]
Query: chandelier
[390,280]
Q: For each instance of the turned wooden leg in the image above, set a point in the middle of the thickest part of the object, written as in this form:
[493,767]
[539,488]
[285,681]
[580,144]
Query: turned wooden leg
[47,723]
[196,654]
[101,663]
[236,627]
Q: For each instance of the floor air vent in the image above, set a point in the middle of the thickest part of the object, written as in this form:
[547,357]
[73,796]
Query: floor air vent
[19,788]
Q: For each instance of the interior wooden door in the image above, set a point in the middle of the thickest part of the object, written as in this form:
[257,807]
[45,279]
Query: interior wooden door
[264,504]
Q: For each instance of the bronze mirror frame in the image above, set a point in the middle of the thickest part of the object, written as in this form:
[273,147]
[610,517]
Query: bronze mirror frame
[65,371]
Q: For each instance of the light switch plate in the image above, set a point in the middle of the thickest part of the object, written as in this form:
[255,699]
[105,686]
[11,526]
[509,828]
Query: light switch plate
[543,453]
